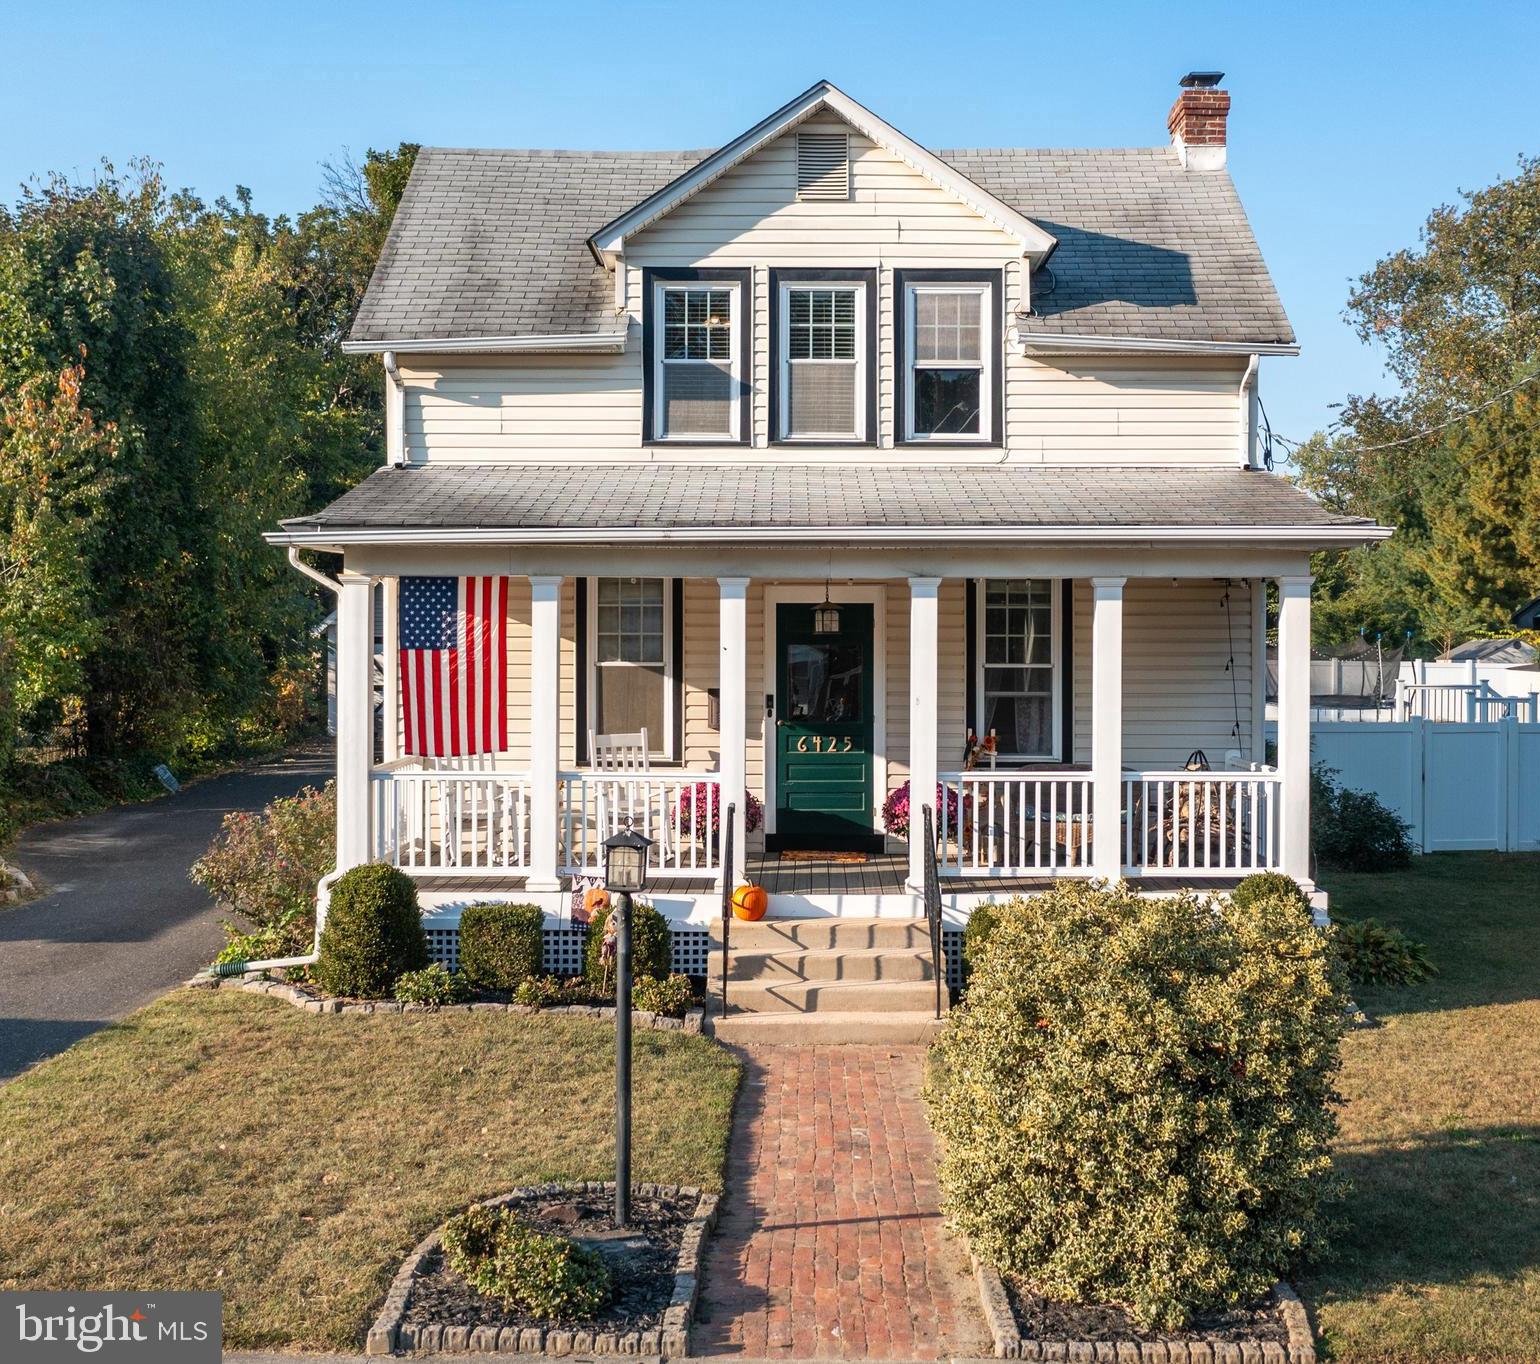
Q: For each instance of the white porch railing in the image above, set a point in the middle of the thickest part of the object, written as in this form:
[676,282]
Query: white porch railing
[1201,823]
[469,823]
[1004,823]
[680,811]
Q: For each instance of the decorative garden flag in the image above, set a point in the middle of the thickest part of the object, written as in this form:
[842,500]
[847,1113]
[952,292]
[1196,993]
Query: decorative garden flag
[454,666]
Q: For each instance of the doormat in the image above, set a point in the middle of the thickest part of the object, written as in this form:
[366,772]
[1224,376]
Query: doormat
[814,855]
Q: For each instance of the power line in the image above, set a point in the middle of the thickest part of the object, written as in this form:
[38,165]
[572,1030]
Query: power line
[1427,431]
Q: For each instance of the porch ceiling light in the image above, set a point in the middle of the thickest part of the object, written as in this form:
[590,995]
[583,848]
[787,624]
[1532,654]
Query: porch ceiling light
[625,861]
[826,617]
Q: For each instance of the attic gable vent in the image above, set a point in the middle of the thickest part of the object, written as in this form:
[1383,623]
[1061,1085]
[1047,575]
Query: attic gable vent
[823,166]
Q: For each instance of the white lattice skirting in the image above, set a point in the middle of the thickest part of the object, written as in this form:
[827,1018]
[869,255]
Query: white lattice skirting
[564,948]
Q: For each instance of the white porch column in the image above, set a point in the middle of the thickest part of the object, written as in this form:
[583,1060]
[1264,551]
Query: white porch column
[733,686]
[390,665]
[924,602]
[544,729]
[355,717]
[1107,727]
[1258,748]
[1294,723]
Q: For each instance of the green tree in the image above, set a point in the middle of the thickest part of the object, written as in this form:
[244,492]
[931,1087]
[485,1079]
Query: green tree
[1451,460]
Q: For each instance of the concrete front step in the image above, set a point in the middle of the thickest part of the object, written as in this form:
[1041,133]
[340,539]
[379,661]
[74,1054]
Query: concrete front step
[821,996]
[824,1029]
[821,935]
[862,964]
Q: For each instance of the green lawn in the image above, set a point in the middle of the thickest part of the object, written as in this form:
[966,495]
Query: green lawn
[1440,1256]
[227,1141]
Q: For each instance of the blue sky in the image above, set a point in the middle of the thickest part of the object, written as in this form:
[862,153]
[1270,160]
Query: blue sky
[1350,120]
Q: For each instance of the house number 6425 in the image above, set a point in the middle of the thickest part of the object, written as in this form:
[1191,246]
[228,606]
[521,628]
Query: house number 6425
[833,744]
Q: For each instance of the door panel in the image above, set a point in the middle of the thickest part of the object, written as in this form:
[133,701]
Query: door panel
[823,727]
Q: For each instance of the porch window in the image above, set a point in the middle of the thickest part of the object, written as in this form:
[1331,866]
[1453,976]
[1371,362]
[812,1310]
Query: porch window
[1018,684]
[947,367]
[695,336]
[632,659]
[823,362]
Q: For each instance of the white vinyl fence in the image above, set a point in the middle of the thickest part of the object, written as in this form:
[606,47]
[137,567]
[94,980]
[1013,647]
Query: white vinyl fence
[1460,786]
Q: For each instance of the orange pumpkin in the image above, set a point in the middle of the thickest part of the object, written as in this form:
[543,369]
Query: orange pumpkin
[596,903]
[750,902]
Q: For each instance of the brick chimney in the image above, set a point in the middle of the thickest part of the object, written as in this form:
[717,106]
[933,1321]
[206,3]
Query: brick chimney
[1197,121]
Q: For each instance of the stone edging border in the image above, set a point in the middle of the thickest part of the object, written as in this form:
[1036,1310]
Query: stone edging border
[1011,1344]
[389,1333]
[311,1002]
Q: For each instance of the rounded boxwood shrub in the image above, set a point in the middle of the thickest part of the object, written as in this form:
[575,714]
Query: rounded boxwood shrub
[1135,1097]
[373,933]
[652,945]
[547,1276]
[501,945]
[1268,885]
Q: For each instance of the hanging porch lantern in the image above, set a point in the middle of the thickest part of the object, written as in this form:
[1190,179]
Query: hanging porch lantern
[826,617]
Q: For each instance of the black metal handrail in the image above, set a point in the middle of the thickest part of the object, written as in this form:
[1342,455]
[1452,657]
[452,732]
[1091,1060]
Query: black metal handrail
[727,894]
[933,903]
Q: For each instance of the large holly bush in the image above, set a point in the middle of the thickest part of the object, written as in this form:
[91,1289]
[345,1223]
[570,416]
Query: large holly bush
[373,933]
[1136,1097]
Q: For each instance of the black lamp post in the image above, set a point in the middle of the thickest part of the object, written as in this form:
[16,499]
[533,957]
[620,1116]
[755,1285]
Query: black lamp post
[625,872]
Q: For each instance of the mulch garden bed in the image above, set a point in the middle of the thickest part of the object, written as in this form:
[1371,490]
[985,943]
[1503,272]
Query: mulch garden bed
[1027,1325]
[641,1262]
[1041,1318]
[654,1263]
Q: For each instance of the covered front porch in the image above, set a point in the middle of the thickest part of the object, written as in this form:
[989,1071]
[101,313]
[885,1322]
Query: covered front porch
[1148,664]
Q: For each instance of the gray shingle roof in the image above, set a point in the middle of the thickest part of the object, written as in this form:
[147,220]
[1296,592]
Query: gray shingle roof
[667,497]
[494,243]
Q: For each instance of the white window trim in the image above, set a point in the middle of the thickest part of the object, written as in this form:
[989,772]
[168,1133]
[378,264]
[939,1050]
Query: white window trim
[735,332]
[664,752]
[784,360]
[1056,648]
[985,291]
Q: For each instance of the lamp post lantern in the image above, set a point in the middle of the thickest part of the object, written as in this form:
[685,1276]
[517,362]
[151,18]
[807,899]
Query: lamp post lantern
[625,872]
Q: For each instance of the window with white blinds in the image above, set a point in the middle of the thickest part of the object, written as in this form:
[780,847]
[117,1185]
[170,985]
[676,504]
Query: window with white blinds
[823,361]
[697,380]
[630,643]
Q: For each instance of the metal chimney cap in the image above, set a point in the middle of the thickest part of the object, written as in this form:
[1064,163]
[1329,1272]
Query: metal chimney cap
[1201,80]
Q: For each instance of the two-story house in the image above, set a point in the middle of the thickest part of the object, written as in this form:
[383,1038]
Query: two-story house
[768,477]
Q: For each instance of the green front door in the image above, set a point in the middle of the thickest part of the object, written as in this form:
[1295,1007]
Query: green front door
[823,731]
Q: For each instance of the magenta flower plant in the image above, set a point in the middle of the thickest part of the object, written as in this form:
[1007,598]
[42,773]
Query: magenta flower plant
[895,809]
[698,810]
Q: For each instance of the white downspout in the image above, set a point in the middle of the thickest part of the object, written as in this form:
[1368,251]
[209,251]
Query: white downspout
[323,891]
[1246,415]
[395,411]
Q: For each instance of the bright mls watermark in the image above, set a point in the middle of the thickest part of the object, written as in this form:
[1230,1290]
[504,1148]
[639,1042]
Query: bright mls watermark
[135,1328]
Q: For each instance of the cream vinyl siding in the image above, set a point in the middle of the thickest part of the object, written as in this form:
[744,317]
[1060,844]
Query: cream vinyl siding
[1177,696]
[1124,410]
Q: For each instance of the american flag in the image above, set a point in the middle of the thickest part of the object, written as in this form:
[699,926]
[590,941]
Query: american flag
[454,666]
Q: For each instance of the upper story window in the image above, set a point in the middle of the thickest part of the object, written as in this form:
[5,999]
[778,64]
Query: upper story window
[1019,667]
[822,389]
[950,366]
[696,348]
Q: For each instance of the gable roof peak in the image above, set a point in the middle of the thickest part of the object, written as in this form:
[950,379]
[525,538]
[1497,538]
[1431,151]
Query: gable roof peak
[608,242]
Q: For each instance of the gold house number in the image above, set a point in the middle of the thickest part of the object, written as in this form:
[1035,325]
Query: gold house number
[833,744]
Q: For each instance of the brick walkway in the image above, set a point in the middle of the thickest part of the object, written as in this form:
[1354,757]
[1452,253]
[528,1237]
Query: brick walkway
[831,1244]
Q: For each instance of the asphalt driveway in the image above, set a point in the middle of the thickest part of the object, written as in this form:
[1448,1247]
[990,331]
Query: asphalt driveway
[120,922]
